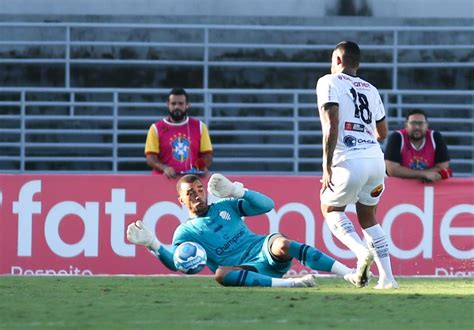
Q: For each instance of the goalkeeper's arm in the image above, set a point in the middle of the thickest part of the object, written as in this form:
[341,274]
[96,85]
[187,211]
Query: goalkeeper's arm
[252,202]
[138,233]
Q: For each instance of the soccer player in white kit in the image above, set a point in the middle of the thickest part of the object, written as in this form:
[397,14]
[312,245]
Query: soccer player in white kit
[353,123]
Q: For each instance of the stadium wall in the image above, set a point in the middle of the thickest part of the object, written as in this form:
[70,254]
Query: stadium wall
[269,8]
[75,224]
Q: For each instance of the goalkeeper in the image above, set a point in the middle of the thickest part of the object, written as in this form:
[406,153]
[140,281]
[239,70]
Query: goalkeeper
[236,255]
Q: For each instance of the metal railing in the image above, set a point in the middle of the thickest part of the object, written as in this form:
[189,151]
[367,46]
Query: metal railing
[109,136]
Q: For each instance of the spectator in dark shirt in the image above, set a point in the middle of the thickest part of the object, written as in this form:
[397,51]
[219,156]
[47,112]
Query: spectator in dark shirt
[417,152]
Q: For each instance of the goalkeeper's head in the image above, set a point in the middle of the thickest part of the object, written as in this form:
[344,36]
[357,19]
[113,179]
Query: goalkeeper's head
[192,194]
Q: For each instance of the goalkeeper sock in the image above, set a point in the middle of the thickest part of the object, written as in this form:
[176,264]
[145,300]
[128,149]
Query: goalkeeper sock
[344,230]
[248,278]
[311,257]
[376,240]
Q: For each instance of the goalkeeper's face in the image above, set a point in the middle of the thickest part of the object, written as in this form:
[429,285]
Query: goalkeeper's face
[194,197]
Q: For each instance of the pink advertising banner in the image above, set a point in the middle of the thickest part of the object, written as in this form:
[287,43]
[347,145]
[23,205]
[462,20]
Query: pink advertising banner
[75,224]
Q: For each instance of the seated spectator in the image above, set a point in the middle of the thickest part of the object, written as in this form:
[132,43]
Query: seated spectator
[178,144]
[417,152]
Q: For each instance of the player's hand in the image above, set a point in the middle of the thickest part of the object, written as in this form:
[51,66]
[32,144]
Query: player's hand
[326,180]
[220,186]
[138,233]
[169,172]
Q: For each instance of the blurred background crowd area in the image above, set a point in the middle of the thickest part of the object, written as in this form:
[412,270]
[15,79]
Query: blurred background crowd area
[80,82]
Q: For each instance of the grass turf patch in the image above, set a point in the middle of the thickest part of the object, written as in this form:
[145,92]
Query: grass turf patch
[200,303]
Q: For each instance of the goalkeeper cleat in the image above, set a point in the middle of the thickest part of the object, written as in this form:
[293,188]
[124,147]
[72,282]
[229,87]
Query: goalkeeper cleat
[384,284]
[307,281]
[362,274]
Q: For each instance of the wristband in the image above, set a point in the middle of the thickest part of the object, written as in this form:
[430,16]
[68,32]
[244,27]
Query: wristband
[446,173]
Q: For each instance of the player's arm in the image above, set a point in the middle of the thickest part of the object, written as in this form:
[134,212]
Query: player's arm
[327,94]
[138,233]
[381,129]
[250,203]
[329,113]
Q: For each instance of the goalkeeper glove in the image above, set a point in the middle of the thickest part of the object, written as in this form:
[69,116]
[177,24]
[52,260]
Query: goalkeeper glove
[220,186]
[138,233]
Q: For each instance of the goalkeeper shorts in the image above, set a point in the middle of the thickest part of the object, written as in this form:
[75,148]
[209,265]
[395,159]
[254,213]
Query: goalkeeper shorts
[265,263]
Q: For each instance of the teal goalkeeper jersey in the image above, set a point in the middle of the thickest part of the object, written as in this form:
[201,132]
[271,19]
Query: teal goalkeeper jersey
[222,232]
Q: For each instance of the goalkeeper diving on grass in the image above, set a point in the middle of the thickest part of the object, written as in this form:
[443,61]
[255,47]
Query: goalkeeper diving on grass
[236,255]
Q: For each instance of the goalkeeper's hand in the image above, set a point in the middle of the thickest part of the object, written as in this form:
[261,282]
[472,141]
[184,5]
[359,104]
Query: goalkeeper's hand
[138,233]
[220,186]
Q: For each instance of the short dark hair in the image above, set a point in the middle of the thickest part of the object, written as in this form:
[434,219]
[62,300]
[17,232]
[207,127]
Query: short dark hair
[416,112]
[188,178]
[178,91]
[350,53]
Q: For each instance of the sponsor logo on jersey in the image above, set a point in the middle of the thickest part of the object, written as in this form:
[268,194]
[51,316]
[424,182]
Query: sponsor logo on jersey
[377,191]
[357,84]
[233,241]
[224,215]
[350,141]
[343,77]
[348,126]
[366,141]
[361,84]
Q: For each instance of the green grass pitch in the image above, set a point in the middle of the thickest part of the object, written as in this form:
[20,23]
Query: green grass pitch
[181,302]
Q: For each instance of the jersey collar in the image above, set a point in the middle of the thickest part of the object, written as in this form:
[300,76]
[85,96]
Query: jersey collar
[167,121]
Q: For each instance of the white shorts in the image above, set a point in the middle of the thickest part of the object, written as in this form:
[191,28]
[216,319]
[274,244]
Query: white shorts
[356,180]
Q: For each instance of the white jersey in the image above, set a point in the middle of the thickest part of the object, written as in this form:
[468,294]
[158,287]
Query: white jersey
[360,107]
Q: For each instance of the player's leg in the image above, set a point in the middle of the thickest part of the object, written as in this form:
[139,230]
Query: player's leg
[261,269]
[376,240]
[284,249]
[375,237]
[248,276]
[347,182]
[238,276]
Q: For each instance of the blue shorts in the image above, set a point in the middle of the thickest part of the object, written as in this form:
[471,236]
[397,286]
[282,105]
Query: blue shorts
[265,263]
